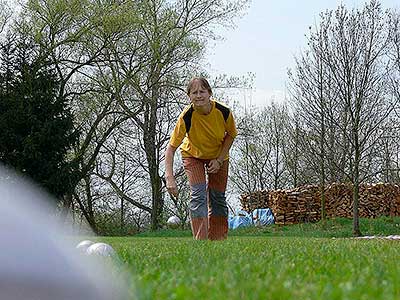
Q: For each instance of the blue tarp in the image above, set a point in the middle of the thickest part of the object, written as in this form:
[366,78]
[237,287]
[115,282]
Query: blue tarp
[261,216]
[239,220]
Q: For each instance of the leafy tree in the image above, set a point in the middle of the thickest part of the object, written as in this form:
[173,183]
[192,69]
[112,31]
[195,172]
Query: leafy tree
[172,39]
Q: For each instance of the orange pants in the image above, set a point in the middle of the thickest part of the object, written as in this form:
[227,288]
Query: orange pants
[207,207]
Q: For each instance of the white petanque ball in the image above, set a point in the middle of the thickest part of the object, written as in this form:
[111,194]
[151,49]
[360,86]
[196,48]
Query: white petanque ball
[173,222]
[82,246]
[101,249]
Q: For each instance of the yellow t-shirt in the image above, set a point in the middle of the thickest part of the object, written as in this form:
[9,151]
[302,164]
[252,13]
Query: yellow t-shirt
[202,136]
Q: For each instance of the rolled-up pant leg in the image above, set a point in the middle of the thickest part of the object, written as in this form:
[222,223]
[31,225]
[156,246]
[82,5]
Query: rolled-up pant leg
[195,171]
[218,209]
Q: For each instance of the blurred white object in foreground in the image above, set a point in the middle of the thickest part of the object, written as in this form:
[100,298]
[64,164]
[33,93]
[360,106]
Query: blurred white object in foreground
[84,245]
[101,249]
[37,260]
[173,222]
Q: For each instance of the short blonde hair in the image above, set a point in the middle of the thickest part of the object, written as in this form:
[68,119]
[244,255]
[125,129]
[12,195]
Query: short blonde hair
[204,83]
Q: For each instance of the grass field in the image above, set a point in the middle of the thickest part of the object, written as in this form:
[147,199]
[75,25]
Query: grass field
[309,261]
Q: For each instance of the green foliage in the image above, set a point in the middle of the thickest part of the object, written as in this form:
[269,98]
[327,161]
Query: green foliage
[36,125]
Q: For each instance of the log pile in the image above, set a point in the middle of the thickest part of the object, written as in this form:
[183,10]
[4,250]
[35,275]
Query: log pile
[303,204]
[297,205]
[339,200]
[252,201]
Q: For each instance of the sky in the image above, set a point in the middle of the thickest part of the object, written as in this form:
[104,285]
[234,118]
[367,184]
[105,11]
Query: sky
[266,39]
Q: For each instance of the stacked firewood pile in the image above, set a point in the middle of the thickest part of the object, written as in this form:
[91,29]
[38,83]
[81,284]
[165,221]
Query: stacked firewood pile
[252,201]
[296,205]
[303,204]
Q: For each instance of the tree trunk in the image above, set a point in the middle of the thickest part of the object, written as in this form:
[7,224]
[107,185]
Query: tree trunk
[356,186]
[322,140]
[150,145]
[88,214]
[66,205]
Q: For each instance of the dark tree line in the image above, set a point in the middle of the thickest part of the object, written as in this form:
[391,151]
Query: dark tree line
[36,124]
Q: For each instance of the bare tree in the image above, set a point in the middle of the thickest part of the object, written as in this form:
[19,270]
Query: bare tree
[278,127]
[354,45]
[248,168]
[312,97]
[258,156]
[341,90]
[5,15]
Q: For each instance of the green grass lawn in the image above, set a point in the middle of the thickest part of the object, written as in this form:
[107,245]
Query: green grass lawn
[292,262]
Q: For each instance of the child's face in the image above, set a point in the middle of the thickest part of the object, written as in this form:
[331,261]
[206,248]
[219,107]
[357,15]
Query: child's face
[199,95]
